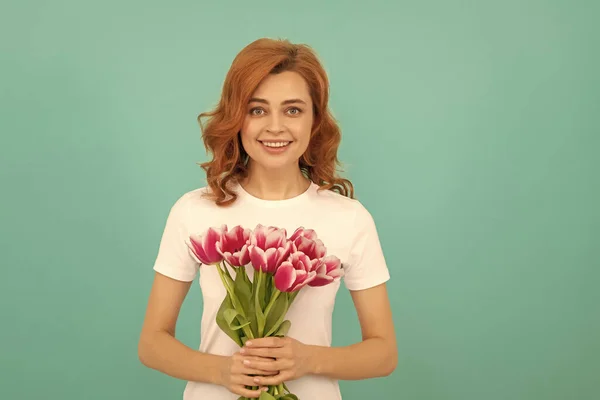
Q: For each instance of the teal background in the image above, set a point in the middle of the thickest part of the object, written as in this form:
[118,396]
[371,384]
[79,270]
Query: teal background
[470,129]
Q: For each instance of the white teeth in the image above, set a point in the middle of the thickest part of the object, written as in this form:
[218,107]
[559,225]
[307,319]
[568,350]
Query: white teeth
[275,144]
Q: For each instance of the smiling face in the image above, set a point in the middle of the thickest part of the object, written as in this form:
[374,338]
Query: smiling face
[279,118]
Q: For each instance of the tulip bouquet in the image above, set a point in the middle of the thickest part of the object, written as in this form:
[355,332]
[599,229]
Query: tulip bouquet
[256,307]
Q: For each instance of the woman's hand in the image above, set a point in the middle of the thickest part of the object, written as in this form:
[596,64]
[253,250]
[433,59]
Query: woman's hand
[236,374]
[292,359]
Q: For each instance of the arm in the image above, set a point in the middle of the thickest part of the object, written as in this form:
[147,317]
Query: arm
[159,349]
[376,355]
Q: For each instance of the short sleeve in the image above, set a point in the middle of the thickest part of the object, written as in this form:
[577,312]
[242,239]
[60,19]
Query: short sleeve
[366,266]
[174,258]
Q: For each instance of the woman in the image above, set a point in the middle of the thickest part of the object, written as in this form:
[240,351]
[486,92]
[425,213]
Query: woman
[274,145]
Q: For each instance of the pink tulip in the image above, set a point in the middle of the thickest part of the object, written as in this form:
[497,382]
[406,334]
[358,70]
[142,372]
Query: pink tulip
[204,246]
[307,233]
[234,246]
[327,270]
[268,248]
[294,273]
[306,241]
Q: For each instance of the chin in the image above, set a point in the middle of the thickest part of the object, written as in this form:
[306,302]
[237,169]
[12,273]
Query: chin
[274,163]
[271,164]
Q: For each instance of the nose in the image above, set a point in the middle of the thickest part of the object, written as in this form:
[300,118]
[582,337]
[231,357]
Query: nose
[275,124]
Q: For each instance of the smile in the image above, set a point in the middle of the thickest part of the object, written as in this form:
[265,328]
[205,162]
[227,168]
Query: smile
[275,144]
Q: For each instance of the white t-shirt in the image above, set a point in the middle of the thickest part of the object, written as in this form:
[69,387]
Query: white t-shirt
[344,225]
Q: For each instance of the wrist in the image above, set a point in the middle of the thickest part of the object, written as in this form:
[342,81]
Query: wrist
[217,367]
[315,359]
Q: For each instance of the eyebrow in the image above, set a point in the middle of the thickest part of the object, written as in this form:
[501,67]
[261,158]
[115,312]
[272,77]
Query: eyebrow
[289,101]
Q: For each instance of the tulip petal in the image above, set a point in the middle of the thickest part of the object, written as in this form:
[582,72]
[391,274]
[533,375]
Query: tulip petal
[275,238]
[327,270]
[333,266]
[257,257]
[244,257]
[321,280]
[192,250]
[297,233]
[258,236]
[271,260]
[285,276]
[305,262]
[304,279]
[209,242]
[301,232]
[198,249]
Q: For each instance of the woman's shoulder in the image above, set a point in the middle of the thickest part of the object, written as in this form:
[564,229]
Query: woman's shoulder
[341,201]
[351,208]
[195,199]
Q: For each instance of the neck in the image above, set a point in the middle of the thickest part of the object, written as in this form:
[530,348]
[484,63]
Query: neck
[277,184]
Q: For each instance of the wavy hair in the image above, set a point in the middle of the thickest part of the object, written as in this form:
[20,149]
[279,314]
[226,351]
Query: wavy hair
[221,134]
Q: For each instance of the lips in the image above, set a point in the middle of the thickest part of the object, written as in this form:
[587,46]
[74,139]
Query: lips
[272,144]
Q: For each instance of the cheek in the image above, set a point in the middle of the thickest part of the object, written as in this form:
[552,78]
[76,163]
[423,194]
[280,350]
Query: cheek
[302,131]
[248,133]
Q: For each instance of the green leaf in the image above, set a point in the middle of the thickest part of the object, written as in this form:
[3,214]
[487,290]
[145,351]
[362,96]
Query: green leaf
[266,396]
[253,319]
[276,314]
[230,317]
[226,275]
[293,296]
[222,321]
[268,288]
[289,396]
[242,289]
[283,328]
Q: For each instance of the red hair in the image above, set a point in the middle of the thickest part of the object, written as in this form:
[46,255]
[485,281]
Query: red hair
[221,134]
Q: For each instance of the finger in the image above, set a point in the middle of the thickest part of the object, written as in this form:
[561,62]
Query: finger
[283,376]
[243,369]
[254,371]
[264,352]
[268,380]
[257,358]
[263,365]
[251,394]
[266,342]
[243,380]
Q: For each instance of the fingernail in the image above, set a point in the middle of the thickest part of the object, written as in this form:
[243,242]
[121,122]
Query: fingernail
[247,362]
[256,380]
[248,343]
[242,351]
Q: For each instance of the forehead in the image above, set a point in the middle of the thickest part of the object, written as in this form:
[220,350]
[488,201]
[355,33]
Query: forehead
[282,86]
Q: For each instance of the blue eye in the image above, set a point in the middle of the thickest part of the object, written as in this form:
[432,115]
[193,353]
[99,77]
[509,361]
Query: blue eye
[296,109]
[252,111]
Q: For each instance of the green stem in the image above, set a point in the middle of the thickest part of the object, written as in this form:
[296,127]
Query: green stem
[227,283]
[227,270]
[260,318]
[234,300]
[271,303]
